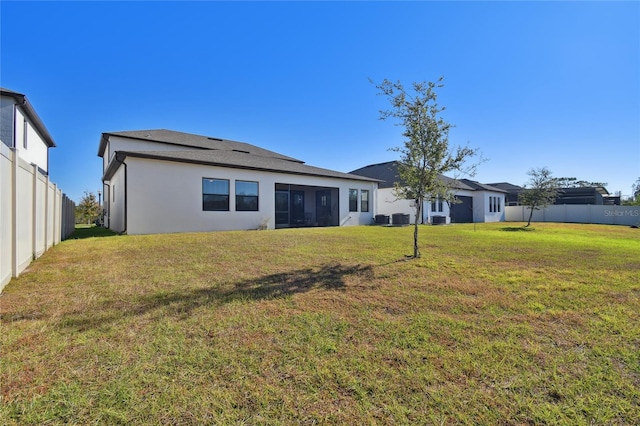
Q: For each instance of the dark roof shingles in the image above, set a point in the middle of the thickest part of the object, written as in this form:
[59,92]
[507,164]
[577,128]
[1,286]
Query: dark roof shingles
[224,153]
[388,173]
[172,137]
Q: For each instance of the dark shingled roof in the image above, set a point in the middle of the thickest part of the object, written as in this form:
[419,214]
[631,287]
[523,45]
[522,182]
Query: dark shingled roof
[222,153]
[481,186]
[388,174]
[507,187]
[31,115]
[172,137]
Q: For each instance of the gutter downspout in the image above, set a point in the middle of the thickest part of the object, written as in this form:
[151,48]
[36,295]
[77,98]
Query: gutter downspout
[124,231]
[108,185]
[119,158]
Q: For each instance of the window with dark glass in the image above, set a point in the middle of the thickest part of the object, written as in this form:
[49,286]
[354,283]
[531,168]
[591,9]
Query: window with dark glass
[25,130]
[353,200]
[215,194]
[364,200]
[436,205]
[246,196]
[494,204]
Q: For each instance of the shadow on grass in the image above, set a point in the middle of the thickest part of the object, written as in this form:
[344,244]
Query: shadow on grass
[90,232]
[182,303]
[517,229]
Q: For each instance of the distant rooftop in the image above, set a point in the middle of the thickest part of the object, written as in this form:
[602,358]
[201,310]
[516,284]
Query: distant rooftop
[388,173]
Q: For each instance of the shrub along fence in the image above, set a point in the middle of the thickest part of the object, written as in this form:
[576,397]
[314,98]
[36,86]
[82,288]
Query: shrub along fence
[579,213]
[34,214]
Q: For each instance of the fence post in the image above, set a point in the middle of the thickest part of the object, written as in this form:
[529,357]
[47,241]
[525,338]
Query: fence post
[34,213]
[46,213]
[14,212]
[57,221]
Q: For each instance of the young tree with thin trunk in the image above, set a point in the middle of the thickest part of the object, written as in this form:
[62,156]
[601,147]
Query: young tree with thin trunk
[541,191]
[425,154]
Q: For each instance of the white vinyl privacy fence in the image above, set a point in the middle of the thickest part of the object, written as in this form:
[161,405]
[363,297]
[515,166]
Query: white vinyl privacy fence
[581,213]
[34,214]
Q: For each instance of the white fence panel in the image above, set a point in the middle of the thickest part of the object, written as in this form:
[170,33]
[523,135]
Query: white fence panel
[6,214]
[40,219]
[51,214]
[579,213]
[514,214]
[23,216]
[34,214]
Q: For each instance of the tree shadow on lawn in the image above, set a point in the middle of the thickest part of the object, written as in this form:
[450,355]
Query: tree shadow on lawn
[517,229]
[80,233]
[182,303]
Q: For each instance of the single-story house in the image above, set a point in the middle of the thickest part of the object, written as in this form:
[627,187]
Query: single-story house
[476,202]
[162,181]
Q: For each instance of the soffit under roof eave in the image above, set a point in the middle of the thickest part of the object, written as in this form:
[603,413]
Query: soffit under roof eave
[113,166]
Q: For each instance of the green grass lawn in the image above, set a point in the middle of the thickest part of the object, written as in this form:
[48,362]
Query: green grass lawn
[328,326]
[89,231]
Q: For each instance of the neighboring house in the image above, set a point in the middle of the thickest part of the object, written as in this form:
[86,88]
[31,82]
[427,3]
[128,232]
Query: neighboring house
[593,195]
[476,202]
[22,129]
[161,181]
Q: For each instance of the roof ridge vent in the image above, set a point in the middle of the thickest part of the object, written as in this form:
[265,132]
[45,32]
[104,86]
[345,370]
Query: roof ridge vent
[214,139]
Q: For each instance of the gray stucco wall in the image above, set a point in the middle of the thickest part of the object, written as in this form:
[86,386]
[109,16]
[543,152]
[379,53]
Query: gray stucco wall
[6,120]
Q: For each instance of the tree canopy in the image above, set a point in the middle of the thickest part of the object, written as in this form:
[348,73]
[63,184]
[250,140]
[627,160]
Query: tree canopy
[426,153]
[88,208]
[634,199]
[572,182]
[540,191]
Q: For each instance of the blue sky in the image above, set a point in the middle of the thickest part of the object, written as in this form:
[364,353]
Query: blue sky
[530,84]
